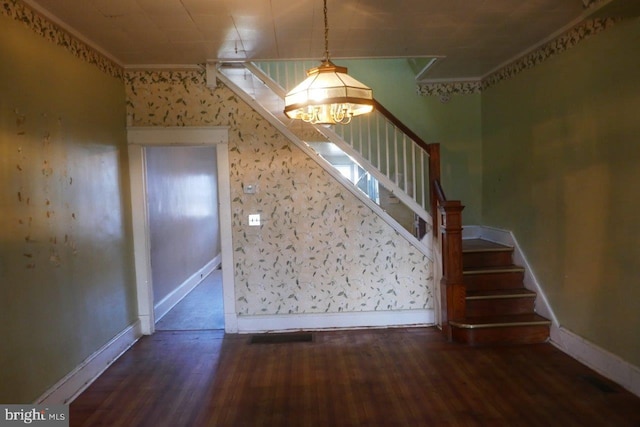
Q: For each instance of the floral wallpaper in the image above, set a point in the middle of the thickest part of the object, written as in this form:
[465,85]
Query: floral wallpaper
[444,88]
[50,31]
[319,250]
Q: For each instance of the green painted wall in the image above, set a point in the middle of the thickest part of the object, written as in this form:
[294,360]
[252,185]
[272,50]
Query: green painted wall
[66,272]
[561,156]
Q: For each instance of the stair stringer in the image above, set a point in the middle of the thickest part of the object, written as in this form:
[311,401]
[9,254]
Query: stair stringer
[278,124]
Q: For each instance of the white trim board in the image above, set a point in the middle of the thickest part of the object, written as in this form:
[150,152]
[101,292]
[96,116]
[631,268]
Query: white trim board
[600,360]
[140,137]
[168,302]
[76,381]
[318,321]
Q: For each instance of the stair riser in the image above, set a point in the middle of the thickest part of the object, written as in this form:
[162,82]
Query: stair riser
[489,307]
[486,281]
[501,335]
[487,259]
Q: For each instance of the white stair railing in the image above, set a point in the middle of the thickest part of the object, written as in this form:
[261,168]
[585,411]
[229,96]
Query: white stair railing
[399,161]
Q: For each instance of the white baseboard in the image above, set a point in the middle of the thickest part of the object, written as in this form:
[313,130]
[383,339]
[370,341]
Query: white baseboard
[168,302]
[597,358]
[76,381]
[586,352]
[354,320]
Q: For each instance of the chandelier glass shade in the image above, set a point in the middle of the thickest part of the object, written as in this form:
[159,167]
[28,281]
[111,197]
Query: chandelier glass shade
[328,95]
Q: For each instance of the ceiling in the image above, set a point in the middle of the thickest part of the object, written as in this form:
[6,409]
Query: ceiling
[470,38]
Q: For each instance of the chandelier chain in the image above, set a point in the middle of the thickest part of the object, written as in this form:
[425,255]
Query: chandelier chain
[326,33]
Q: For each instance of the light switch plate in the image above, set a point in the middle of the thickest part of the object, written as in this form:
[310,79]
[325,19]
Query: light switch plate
[254,220]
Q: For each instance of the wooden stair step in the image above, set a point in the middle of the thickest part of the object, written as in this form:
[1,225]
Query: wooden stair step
[493,269]
[500,301]
[481,245]
[485,278]
[478,252]
[501,329]
[500,294]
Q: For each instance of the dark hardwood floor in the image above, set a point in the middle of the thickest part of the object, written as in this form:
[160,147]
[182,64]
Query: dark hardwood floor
[392,377]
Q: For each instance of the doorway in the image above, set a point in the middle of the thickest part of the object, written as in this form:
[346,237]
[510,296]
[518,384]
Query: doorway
[156,301]
[184,234]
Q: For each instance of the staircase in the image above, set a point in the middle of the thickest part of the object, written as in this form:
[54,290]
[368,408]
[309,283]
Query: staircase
[498,309]
[377,156]
[484,300]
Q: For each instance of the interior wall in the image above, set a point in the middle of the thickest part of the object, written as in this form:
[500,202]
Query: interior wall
[319,250]
[182,190]
[560,161]
[66,271]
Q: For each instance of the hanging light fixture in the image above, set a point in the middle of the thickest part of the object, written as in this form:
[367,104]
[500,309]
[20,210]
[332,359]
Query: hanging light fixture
[328,95]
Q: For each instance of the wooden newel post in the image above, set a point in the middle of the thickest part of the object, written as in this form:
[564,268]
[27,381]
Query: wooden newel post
[453,293]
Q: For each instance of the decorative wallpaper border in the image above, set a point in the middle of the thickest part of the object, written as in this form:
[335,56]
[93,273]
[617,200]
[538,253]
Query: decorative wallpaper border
[449,88]
[52,32]
[566,41]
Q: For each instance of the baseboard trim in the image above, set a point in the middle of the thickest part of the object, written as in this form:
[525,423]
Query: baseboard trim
[168,302]
[76,381]
[600,360]
[353,320]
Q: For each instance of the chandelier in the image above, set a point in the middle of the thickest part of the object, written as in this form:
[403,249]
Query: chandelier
[328,95]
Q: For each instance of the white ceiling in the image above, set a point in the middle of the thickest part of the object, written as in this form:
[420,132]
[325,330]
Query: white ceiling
[472,37]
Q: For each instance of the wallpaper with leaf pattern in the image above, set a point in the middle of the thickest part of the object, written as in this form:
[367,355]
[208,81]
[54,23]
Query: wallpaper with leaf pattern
[319,250]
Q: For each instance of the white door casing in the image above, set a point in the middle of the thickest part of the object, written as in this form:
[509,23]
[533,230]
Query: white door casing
[140,137]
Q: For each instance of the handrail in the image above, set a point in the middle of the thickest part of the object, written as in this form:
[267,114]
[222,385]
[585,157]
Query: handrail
[439,191]
[397,123]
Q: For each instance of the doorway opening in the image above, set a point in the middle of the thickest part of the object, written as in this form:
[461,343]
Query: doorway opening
[184,235]
[163,257]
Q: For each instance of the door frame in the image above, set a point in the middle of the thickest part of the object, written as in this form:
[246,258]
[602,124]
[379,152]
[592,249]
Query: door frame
[140,137]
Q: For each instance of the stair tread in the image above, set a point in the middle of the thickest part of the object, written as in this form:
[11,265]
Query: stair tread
[481,245]
[529,319]
[500,293]
[494,269]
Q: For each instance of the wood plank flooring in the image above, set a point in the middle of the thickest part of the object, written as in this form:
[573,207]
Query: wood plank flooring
[392,377]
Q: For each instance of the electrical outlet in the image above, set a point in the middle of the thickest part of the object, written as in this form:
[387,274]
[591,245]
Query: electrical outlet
[254,220]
